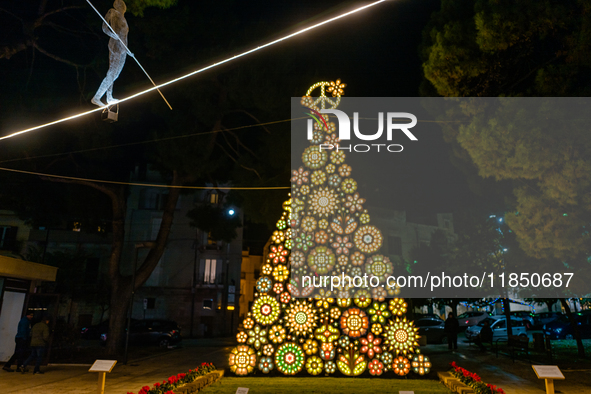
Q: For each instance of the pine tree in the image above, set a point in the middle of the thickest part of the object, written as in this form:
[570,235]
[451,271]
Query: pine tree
[325,229]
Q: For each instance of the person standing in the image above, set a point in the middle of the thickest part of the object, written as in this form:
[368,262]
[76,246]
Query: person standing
[485,335]
[39,341]
[452,326]
[22,339]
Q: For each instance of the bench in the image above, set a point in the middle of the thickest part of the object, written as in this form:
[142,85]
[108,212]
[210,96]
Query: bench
[515,343]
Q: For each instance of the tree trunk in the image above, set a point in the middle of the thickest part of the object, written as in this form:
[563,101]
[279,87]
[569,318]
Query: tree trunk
[118,319]
[571,319]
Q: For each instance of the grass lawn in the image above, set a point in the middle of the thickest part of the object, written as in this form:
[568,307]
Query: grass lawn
[280,385]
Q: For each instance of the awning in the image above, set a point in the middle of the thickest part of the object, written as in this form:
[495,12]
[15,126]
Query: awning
[21,269]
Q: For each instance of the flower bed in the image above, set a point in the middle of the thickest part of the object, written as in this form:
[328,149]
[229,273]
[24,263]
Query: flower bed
[170,385]
[474,381]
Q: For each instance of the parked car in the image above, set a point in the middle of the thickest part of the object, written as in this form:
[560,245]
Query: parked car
[561,328]
[498,324]
[526,316]
[426,315]
[545,317]
[432,329]
[163,333]
[468,319]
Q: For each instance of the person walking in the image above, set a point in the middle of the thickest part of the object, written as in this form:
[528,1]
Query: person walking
[22,340]
[39,340]
[452,326]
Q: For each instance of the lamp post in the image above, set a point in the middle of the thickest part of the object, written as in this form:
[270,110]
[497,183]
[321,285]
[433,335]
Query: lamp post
[138,246]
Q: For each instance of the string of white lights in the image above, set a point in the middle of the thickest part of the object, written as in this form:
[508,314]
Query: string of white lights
[271,43]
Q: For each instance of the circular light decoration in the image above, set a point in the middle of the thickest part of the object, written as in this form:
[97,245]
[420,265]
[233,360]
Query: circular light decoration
[387,358]
[376,368]
[371,345]
[277,334]
[241,337]
[354,322]
[278,237]
[242,360]
[362,298]
[379,313]
[376,329]
[266,364]
[314,365]
[330,367]
[285,297]
[280,273]
[310,346]
[323,202]
[248,323]
[321,260]
[401,336]
[267,269]
[278,254]
[368,239]
[281,224]
[379,266]
[301,318]
[344,341]
[397,306]
[257,337]
[337,91]
[268,349]
[289,358]
[265,310]
[421,364]
[314,158]
[264,284]
[401,366]
[278,288]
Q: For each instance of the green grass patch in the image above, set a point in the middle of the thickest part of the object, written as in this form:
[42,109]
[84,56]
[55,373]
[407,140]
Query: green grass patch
[281,385]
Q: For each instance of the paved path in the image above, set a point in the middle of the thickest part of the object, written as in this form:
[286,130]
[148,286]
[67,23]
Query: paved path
[514,377]
[66,379]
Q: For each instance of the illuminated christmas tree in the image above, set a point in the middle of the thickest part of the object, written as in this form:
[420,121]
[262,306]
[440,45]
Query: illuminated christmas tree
[325,229]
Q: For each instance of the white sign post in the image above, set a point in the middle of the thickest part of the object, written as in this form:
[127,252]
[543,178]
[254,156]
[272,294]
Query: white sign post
[102,367]
[549,373]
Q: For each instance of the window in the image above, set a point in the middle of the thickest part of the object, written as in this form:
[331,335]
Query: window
[214,198]
[501,324]
[7,237]
[395,246]
[208,304]
[76,226]
[210,240]
[210,271]
[151,303]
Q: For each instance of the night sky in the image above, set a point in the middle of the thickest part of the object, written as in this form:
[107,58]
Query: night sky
[374,52]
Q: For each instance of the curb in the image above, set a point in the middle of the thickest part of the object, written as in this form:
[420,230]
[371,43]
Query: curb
[200,383]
